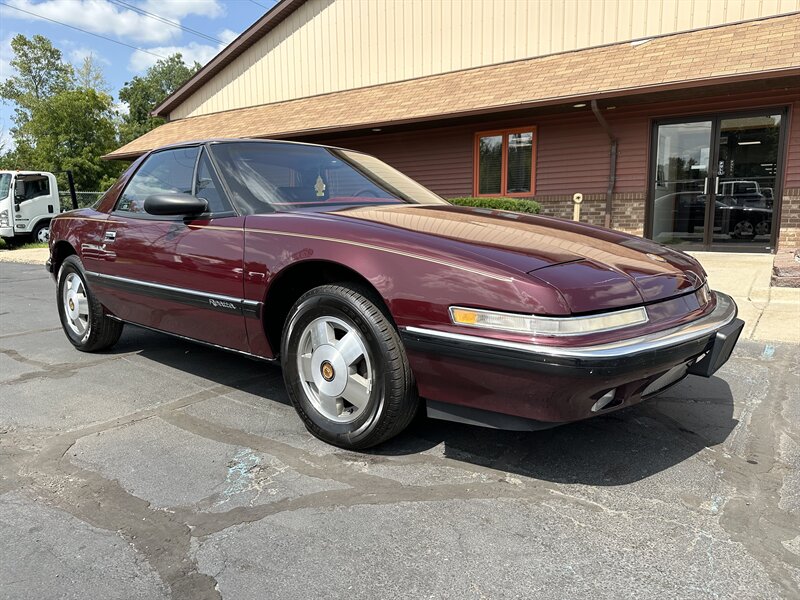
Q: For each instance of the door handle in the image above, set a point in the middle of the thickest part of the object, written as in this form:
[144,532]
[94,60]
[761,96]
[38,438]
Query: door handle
[705,187]
[110,236]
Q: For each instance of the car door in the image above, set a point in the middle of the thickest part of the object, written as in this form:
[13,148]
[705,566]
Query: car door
[177,274]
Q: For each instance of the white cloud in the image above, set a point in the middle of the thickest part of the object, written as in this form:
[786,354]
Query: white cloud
[191,52]
[178,9]
[76,55]
[227,36]
[104,18]
[6,111]
[5,58]
[121,108]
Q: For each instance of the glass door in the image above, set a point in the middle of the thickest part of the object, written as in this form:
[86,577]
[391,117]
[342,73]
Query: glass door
[716,182]
[680,189]
[745,180]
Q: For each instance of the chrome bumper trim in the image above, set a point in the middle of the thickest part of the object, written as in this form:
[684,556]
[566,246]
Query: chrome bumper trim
[723,313]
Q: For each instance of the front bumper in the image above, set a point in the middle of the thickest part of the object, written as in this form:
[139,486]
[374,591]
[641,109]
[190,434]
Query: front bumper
[559,384]
[48,266]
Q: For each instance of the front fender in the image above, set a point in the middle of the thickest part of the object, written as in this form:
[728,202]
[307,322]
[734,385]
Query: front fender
[418,285]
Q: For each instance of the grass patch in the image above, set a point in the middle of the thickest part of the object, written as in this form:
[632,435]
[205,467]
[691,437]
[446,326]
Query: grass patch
[512,204]
[32,245]
[4,245]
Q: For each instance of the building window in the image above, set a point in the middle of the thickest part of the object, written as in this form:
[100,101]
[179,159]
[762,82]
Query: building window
[505,162]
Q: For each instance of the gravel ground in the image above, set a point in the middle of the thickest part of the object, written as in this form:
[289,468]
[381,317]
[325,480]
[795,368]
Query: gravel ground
[166,469]
[35,256]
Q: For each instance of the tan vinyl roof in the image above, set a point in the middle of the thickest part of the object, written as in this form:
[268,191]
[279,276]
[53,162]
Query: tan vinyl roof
[764,48]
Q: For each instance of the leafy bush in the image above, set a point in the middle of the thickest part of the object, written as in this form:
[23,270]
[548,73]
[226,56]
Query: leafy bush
[512,204]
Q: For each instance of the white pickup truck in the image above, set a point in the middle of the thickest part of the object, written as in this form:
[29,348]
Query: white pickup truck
[28,200]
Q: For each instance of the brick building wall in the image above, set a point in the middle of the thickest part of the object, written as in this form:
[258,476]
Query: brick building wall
[627,212]
[790,219]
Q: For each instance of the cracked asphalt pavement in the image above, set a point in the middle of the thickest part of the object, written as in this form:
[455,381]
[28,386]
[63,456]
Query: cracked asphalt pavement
[164,469]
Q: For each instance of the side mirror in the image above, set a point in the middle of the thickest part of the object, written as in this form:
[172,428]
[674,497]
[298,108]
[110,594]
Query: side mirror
[175,205]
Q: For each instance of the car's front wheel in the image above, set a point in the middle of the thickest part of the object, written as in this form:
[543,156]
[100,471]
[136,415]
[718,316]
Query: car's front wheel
[345,368]
[85,322]
[41,233]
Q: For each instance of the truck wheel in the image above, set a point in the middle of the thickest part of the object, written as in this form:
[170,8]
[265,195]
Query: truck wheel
[345,368]
[41,233]
[86,324]
[743,229]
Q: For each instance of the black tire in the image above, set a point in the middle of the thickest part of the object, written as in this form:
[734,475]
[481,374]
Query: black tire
[393,400]
[102,332]
[40,227]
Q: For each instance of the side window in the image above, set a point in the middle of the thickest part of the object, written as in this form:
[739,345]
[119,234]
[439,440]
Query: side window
[208,186]
[168,171]
[28,188]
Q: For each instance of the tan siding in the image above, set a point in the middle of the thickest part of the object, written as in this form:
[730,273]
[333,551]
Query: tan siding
[333,45]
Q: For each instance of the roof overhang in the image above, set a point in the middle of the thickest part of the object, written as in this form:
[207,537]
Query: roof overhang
[766,50]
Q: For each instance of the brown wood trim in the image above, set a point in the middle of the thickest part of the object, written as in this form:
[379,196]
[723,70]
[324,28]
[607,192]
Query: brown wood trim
[504,133]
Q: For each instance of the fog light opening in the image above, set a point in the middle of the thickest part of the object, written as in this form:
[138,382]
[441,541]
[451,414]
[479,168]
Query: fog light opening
[607,400]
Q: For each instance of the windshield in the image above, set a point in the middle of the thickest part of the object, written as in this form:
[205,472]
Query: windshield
[268,176]
[5,184]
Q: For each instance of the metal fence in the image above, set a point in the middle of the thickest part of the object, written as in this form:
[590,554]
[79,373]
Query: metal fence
[85,199]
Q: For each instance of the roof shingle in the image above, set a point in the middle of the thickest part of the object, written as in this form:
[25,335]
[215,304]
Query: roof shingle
[770,47]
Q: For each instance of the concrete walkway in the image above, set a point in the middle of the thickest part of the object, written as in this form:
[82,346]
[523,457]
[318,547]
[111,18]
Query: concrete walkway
[769,313]
[31,256]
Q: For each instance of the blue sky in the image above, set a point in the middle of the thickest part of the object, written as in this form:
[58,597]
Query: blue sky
[221,20]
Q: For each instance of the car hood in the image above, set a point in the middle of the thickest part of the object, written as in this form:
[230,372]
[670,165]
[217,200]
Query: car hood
[593,268]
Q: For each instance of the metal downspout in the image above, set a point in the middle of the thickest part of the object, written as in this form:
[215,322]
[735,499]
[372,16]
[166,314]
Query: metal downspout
[612,174]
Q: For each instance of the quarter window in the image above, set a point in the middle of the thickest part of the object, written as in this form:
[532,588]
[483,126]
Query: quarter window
[208,187]
[505,162]
[168,171]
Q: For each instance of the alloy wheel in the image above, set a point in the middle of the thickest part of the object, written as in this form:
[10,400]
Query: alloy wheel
[335,369]
[76,304]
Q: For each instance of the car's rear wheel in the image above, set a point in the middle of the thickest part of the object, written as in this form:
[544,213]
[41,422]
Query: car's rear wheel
[83,319]
[345,368]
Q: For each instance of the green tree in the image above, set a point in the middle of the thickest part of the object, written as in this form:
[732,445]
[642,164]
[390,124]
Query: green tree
[40,73]
[71,131]
[58,125]
[90,75]
[143,94]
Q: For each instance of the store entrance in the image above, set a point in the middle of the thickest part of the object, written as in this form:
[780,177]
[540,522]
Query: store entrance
[716,180]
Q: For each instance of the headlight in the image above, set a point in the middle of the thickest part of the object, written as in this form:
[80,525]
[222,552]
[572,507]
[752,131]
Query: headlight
[704,294]
[547,326]
[4,218]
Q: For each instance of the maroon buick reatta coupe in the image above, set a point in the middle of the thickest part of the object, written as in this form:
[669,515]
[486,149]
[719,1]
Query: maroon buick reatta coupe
[379,297]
